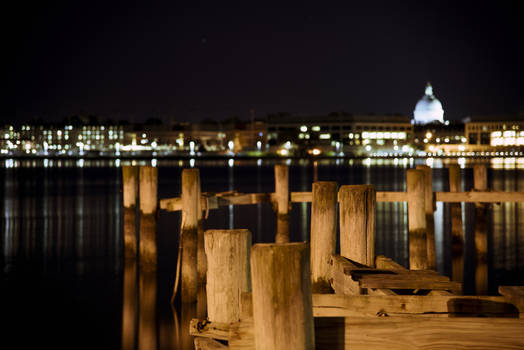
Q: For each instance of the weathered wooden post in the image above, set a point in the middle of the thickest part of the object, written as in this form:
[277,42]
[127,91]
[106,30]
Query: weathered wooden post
[480,182]
[430,218]
[130,191]
[323,233]
[189,233]
[282,202]
[457,233]
[418,258]
[228,275]
[148,214]
[357,223]
[282,301]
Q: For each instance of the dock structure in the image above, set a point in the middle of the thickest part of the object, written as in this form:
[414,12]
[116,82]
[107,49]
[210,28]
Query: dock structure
[268,296]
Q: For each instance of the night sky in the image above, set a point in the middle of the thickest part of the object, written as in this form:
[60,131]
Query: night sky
[194,61]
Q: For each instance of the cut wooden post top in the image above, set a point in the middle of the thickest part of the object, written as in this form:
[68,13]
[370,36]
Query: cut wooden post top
[148,189]
[130,185]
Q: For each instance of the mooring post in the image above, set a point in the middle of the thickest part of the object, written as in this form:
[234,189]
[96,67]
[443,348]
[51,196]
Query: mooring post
[357,223]
[228,275]
[282,301]
[282,202]
[130,191]
[480,182]
[457,233]
[430,218]
[418,258]
[189,233]
[148,213]
[323,233]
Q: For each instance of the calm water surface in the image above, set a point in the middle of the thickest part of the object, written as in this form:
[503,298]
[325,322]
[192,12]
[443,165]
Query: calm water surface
[64,281]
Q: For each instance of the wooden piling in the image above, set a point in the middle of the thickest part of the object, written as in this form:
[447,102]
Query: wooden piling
[282,301]
[130,191]
[357,223]
[189,233]
[480,181]
[417,219]
[148,214]
[228,275]
[282,202]
[430,218]
[457,233]
[323,236]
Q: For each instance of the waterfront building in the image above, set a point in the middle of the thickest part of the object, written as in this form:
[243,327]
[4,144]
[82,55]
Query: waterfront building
[500,132]
[340,133]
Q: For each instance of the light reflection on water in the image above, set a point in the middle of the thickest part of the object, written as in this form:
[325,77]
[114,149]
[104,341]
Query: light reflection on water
[62,225]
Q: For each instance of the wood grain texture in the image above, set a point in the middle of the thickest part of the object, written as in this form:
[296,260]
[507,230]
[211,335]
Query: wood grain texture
[228,272]
[418,258]
[357,223]
[282,306]
[189,234]
[323,233]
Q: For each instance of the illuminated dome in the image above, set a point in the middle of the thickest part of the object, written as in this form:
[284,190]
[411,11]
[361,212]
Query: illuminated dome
[428,108]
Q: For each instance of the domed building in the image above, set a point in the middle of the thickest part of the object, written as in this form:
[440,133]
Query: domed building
[428,108]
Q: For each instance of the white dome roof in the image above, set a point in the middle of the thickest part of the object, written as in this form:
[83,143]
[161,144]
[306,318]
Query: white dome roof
[428,108]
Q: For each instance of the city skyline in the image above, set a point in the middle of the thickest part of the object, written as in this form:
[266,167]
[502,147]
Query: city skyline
[179,63]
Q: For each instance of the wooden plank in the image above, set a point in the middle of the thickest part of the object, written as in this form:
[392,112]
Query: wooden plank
[341,282]
[381,197]
[433,333]
[474,196]
[171,204]
[402,282]
[301,196]
[403,333]
[208,344]
[203,328]
[392,197]
[334,305]
[514,294]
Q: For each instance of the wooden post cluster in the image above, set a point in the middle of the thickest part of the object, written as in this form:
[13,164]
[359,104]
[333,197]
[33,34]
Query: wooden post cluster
[430,218]
[323,233]
[228,275]
[282,202]
[417,219]
[480,183]
[282,301]
[357,223]
[189,234]
[148,176]
[457,233]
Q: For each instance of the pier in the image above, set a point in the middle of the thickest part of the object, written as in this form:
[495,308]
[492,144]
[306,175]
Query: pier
[303,295]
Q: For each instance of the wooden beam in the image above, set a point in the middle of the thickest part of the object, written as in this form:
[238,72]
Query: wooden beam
[514,294]
[203,328]
[208,344]
[392,197]
[335,305]
[403,282]
[486,197]
[438,304]
[402,333]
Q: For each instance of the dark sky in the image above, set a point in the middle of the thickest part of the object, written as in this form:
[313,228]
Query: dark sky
[210,60]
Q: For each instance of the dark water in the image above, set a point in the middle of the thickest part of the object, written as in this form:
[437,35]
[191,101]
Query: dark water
[62,281]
